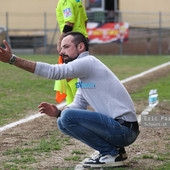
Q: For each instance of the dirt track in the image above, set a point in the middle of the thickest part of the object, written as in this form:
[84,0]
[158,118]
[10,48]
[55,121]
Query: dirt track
[150,140]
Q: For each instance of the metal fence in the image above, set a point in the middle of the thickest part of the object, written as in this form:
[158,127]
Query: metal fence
[149,33]
[2,33]
[151,30]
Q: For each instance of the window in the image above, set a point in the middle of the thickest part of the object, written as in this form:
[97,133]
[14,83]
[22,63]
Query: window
[102,10]
[95,5]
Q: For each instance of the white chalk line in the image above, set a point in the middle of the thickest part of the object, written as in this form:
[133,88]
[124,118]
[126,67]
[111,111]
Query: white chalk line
[146,111]
[11,125]
[145,72]
[21,121]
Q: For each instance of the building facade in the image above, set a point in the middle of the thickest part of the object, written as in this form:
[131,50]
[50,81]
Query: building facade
[36,19]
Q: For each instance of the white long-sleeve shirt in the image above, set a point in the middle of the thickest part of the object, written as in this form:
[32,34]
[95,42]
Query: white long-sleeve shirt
[97,86]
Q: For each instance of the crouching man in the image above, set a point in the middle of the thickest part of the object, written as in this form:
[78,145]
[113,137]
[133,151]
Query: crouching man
[113,123]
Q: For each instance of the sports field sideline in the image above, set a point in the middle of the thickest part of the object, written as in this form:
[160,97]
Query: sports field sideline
[21,92]
[41,145]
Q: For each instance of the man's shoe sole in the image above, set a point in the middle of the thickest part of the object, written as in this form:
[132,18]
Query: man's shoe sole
[114,164]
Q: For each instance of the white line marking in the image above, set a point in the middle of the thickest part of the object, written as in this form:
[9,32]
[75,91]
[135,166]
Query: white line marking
[20,122]
[146,111]
[62,104]
[145,72]
[11,125]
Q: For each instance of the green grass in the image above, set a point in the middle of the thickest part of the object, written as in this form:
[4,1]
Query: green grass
[30,153]
[164,166]
[78,152]
[159,157]
[44,145]
[125,66]
[162,85]
[73,158]
[21,92]
[27,154]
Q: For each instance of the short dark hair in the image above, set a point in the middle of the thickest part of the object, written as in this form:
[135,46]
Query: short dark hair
[78,38]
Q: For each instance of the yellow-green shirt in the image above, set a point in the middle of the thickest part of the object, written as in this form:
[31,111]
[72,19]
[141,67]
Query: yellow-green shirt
[72,11]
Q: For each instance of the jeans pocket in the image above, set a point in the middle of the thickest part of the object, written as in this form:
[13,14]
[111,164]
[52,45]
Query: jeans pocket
[131,137]
[118,140]
[124,139]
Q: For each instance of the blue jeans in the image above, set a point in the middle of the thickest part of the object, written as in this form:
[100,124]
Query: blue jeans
[97,130]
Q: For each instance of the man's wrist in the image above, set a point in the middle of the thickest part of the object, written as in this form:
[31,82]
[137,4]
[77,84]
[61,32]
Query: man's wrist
[59,113]
[67,28]
[12,60]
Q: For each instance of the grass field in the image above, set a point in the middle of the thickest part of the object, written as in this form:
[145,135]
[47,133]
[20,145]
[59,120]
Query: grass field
[162,85]
[21,92]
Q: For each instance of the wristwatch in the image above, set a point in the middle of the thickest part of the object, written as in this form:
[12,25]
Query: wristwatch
[12,59]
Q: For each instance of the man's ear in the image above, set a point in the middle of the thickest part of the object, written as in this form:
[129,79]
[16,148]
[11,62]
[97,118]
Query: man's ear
[81,47]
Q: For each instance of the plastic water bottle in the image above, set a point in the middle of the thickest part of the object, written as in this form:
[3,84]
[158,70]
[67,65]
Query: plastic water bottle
[151,97]
[155,96]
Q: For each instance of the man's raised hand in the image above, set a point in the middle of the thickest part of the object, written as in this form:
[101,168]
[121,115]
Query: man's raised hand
[5,54]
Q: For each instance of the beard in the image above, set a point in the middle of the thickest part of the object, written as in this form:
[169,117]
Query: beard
[68,59]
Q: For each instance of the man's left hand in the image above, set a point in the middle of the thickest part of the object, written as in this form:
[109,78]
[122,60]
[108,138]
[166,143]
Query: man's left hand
[5,54]
[49,109]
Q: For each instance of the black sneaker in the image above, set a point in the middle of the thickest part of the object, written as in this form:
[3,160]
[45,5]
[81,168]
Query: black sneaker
[104,161]
[122,154]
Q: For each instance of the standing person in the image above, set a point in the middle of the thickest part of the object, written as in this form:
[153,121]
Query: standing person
[71,16]
[113,123]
